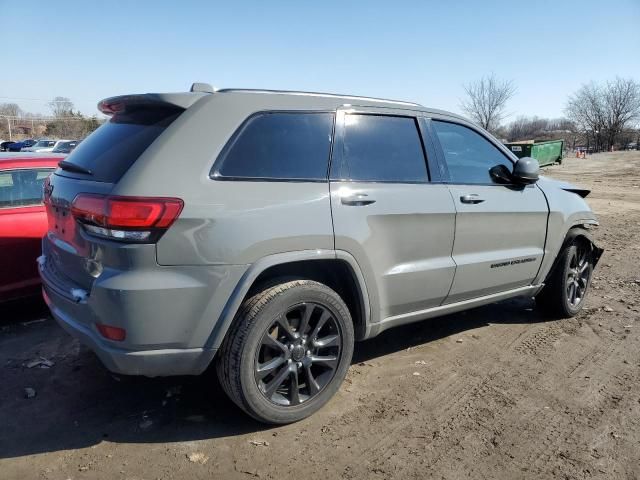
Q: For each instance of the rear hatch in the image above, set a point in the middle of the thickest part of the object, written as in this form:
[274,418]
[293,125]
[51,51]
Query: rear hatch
[80,210]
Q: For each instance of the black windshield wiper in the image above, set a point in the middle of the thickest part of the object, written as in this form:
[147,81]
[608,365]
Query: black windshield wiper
[72,167]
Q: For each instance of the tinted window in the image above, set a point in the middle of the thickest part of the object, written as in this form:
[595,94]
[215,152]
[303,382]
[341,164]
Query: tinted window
[19,188]
[115,146]
[468,155]
[280,146]
[382,148]
[65,147]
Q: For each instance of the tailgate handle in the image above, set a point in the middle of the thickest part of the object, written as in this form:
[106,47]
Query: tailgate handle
[472,198]
[357,200]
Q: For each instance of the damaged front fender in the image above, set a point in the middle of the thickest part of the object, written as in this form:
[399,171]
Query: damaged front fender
[596,252]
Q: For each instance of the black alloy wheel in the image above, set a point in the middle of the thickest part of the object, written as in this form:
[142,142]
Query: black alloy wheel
[298,354]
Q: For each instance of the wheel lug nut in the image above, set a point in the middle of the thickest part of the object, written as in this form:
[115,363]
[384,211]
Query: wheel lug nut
[308,353]
[299,364]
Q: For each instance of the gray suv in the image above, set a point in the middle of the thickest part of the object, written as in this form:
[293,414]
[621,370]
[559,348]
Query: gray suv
[267,231]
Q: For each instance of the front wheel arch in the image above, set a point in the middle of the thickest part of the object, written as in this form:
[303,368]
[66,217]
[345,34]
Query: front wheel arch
[563,282]
[580,233]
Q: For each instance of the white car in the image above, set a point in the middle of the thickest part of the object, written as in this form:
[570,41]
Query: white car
[43,145]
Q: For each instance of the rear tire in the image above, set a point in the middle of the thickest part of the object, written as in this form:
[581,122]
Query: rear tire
[566,288]
[287,351]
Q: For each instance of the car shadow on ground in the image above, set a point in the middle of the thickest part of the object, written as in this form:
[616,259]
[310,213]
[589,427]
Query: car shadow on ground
[79,404]
[26,309]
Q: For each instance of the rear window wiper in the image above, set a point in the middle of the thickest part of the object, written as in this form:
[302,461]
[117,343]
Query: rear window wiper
[72,167]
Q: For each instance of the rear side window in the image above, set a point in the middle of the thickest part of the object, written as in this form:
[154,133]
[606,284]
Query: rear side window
[279,146]
[115,146]
[381,148]
[23,187]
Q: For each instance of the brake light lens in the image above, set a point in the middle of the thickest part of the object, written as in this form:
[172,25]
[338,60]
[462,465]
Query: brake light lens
[135,219]
[109,332]
[109,108]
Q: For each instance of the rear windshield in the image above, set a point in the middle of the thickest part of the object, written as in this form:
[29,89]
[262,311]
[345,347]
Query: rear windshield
[109,151]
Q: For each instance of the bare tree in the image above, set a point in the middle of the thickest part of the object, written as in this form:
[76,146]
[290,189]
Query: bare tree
[586,109]
[622,104]
[525,128]
[604,111]
[61,107]
[10,109]
[487,99]
[541,129]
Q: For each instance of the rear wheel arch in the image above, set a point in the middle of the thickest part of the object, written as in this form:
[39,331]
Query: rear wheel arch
[339,272]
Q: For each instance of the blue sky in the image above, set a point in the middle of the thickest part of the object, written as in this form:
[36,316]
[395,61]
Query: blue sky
[420,51]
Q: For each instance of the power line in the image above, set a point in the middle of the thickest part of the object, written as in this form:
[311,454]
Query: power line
[43,119]
[37,99]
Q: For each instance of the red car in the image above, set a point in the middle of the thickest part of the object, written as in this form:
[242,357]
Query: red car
[23,220]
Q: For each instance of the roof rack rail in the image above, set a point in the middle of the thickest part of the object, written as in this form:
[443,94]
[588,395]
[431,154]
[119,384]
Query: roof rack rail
[318,94]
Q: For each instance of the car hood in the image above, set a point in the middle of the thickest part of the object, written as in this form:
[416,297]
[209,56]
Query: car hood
[546,182]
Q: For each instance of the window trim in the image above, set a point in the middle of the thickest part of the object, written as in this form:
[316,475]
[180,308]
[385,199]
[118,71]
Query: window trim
[18,169]
[444,169]
[214,171]
[340,130]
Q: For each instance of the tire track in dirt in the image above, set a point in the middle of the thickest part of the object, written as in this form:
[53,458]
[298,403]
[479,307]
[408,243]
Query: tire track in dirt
[539,340]
[448,403]
[466,404]
[558,436]
[457,398]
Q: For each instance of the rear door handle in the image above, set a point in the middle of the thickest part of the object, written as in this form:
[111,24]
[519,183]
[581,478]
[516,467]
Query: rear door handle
[472,198]
[357,200]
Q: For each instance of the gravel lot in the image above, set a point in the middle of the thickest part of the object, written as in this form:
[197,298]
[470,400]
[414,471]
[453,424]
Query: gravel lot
[498,392]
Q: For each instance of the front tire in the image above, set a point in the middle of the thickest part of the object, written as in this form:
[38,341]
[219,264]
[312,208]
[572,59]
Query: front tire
[287,351]
[564,293]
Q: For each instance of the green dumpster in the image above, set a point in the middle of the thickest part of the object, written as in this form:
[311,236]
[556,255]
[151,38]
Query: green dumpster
[547,153]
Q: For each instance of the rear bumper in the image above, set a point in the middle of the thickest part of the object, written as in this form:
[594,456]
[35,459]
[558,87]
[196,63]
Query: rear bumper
[168,315]
[150,363]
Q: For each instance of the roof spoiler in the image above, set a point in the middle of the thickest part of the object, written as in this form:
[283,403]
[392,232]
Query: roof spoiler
[121,103]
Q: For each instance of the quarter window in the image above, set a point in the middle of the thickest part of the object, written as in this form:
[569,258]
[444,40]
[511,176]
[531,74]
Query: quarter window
[20,188]
[468,155]
[382,148]
[280,145]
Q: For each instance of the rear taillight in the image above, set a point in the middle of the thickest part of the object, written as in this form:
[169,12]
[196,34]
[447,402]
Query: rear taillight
[129,219]
[109,332]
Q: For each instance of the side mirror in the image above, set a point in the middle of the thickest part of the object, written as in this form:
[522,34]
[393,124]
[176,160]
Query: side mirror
[501,174]
[526,170]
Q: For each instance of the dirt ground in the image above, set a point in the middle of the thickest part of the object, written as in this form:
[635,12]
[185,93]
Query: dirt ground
[498,392]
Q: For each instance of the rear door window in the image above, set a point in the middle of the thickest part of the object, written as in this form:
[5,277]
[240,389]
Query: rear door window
[22,187]
[109,151]
[279,146]
[382,148]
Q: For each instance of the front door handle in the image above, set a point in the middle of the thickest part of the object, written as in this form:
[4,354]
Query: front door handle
[472,198]
[357,200]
